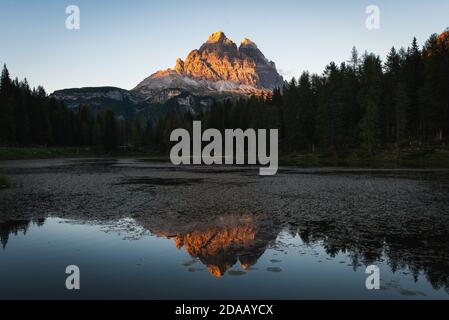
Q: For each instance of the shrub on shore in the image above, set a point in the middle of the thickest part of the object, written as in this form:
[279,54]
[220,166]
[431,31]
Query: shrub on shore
[4,182]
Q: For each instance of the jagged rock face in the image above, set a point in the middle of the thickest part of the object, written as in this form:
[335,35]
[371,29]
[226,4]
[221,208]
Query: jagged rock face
[219,59]
[219,69]
[218,66]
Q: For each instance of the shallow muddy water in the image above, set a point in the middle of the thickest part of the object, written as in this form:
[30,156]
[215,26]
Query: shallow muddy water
[138,229]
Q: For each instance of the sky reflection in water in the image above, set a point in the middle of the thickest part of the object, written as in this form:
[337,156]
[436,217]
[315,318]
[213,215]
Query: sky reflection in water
[231,256]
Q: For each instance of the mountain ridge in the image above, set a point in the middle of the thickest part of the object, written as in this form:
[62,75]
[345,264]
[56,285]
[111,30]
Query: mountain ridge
[219,69]
[218,66]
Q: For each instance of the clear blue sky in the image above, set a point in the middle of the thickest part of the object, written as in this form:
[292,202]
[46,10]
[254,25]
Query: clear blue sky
[122,42]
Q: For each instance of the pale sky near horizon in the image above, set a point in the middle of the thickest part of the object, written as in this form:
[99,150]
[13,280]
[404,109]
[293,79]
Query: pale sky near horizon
[122,42]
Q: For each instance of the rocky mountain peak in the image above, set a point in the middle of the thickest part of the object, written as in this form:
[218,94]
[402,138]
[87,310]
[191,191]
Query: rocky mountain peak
[217,67]
[218,36]
[247,43]
[179,67]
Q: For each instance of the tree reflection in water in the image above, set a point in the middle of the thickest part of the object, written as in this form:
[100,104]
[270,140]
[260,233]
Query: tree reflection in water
[220,241]
[15,227]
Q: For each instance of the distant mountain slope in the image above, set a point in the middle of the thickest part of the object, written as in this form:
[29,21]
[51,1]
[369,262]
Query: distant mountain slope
[122,102]
[218,70]
[128,104]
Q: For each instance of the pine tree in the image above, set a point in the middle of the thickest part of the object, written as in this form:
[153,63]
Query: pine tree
[137,133]
[391,79]
[110,132]
[370,101]
[5,83]
[354,60]
[7,122]
[413,79]
[401,104]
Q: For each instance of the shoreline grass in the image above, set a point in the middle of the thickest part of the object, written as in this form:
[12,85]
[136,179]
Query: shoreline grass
[385,158]
[4,182]
[37,153]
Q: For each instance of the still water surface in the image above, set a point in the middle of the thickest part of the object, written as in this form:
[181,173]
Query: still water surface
[139,230]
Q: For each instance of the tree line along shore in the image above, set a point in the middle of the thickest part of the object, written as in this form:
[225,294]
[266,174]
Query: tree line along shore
[361,112]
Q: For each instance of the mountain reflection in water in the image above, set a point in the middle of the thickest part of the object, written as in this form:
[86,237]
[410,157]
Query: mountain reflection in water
[221,241]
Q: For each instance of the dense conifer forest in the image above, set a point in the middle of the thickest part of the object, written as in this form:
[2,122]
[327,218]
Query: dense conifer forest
[363,103]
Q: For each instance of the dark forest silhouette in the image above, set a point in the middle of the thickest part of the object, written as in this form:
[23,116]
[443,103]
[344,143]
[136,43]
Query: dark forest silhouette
[362,103]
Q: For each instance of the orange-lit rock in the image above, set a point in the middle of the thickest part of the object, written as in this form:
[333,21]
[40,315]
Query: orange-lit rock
[218,66]
[220,59]
[441,44]
[223,243]
[443,39]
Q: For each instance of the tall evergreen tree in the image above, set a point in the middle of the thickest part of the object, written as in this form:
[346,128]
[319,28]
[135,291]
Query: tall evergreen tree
[401,104]
[7,123]
[137,134]
[370,101]
[110,132]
